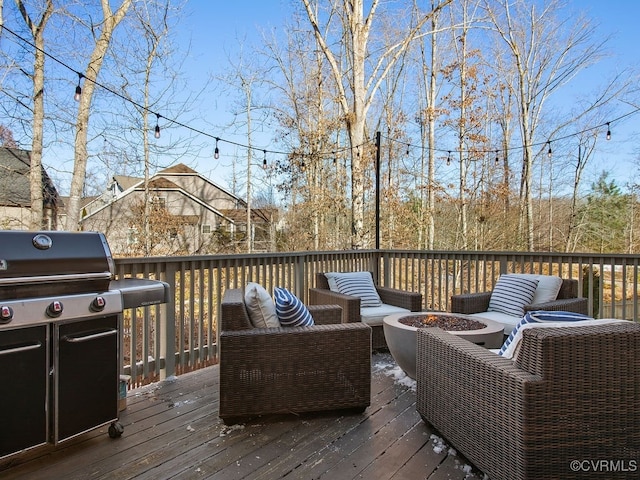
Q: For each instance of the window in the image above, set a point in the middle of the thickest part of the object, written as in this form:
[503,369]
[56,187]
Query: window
[159,202]
[132,236]
[206,228]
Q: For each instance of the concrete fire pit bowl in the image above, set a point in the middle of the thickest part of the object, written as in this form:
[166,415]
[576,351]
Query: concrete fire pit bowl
[401,338]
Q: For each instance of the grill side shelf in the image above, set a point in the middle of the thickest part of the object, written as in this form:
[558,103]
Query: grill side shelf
[140,292]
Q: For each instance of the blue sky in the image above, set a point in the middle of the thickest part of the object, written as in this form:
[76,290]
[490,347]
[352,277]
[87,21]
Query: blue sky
[216,26]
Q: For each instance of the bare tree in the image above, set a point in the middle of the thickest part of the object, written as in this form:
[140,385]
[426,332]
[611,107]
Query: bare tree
[356,92]
[545,53]
[430,86]
[37,30]
[106,28]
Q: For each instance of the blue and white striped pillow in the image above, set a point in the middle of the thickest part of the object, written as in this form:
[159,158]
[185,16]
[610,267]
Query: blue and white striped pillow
[356,284]
[511,293]
[290,310]
[542,316]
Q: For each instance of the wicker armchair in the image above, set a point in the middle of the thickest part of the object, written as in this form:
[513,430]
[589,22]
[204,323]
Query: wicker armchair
[572,394]
[567,301]
[322,295]
[291,369]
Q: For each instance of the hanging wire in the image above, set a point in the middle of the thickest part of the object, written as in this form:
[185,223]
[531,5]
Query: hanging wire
[78,92]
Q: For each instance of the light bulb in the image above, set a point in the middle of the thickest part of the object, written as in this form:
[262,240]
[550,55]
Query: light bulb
[78,93]
[608,132]
[216,152]
[157,129]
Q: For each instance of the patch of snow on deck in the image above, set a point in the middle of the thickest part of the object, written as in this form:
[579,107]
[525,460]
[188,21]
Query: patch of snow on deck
[440,446]
[386,365]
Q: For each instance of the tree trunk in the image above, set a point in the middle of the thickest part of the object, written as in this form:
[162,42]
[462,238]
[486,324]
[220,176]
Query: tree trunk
[36,179]
[109,23]
[356,28]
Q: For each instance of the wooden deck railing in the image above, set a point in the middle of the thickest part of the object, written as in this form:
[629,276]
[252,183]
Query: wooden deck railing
[166,340]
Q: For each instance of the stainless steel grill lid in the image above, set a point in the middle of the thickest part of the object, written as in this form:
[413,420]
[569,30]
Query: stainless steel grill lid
[57,263]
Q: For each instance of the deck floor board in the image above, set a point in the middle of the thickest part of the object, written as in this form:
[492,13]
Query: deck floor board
[172,431]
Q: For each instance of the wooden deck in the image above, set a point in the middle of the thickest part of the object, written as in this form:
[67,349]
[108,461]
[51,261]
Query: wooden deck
[172,431]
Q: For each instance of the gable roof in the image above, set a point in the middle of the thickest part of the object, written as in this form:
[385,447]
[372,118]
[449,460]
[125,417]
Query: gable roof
[158,183]
[126,182]
[15,189]
[179,168]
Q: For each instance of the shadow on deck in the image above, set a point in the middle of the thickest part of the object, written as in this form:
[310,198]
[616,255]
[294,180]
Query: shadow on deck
[172,431]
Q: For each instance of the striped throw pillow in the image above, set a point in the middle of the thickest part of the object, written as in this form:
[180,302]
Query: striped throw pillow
[355,284]
[511,294]
[290,310]
[542,316]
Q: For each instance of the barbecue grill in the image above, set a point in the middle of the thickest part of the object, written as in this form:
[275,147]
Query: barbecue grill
[60,311]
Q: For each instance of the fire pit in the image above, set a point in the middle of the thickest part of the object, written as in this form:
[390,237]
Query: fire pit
[400,333]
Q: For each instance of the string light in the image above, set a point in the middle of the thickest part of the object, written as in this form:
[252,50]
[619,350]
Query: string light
[497,158]
[408,145]
[449,158]
[78,93]
[264,160]
[157,129]
[216,152]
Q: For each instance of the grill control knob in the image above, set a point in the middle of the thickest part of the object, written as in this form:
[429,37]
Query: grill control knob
[6,314]
[54,309]
[98,304]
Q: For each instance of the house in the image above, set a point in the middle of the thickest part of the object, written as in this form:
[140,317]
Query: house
[186,214]
[15,192]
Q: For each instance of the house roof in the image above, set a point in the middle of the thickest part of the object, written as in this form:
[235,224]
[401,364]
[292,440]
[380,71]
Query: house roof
[180,168]
[15,190]
[161,183]
[126,182]
[240,216]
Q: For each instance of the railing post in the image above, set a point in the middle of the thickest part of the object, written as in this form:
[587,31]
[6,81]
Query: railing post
[168,326]
[503,265]
[386,269]
[299,280]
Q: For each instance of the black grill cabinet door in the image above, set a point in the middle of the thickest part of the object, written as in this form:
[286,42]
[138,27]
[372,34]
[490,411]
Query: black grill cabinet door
[86,376]
[23,391]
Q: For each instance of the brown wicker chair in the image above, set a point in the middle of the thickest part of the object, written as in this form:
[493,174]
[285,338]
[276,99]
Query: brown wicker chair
[478,303]
[321,295]
[572,394]
[291,369]
[567,301]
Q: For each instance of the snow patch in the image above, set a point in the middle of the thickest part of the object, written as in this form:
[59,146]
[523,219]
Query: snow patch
[231,428]
[400,377]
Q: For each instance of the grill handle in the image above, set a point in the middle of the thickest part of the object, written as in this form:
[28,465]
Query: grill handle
[25,348]
[55,278]
[88,338]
